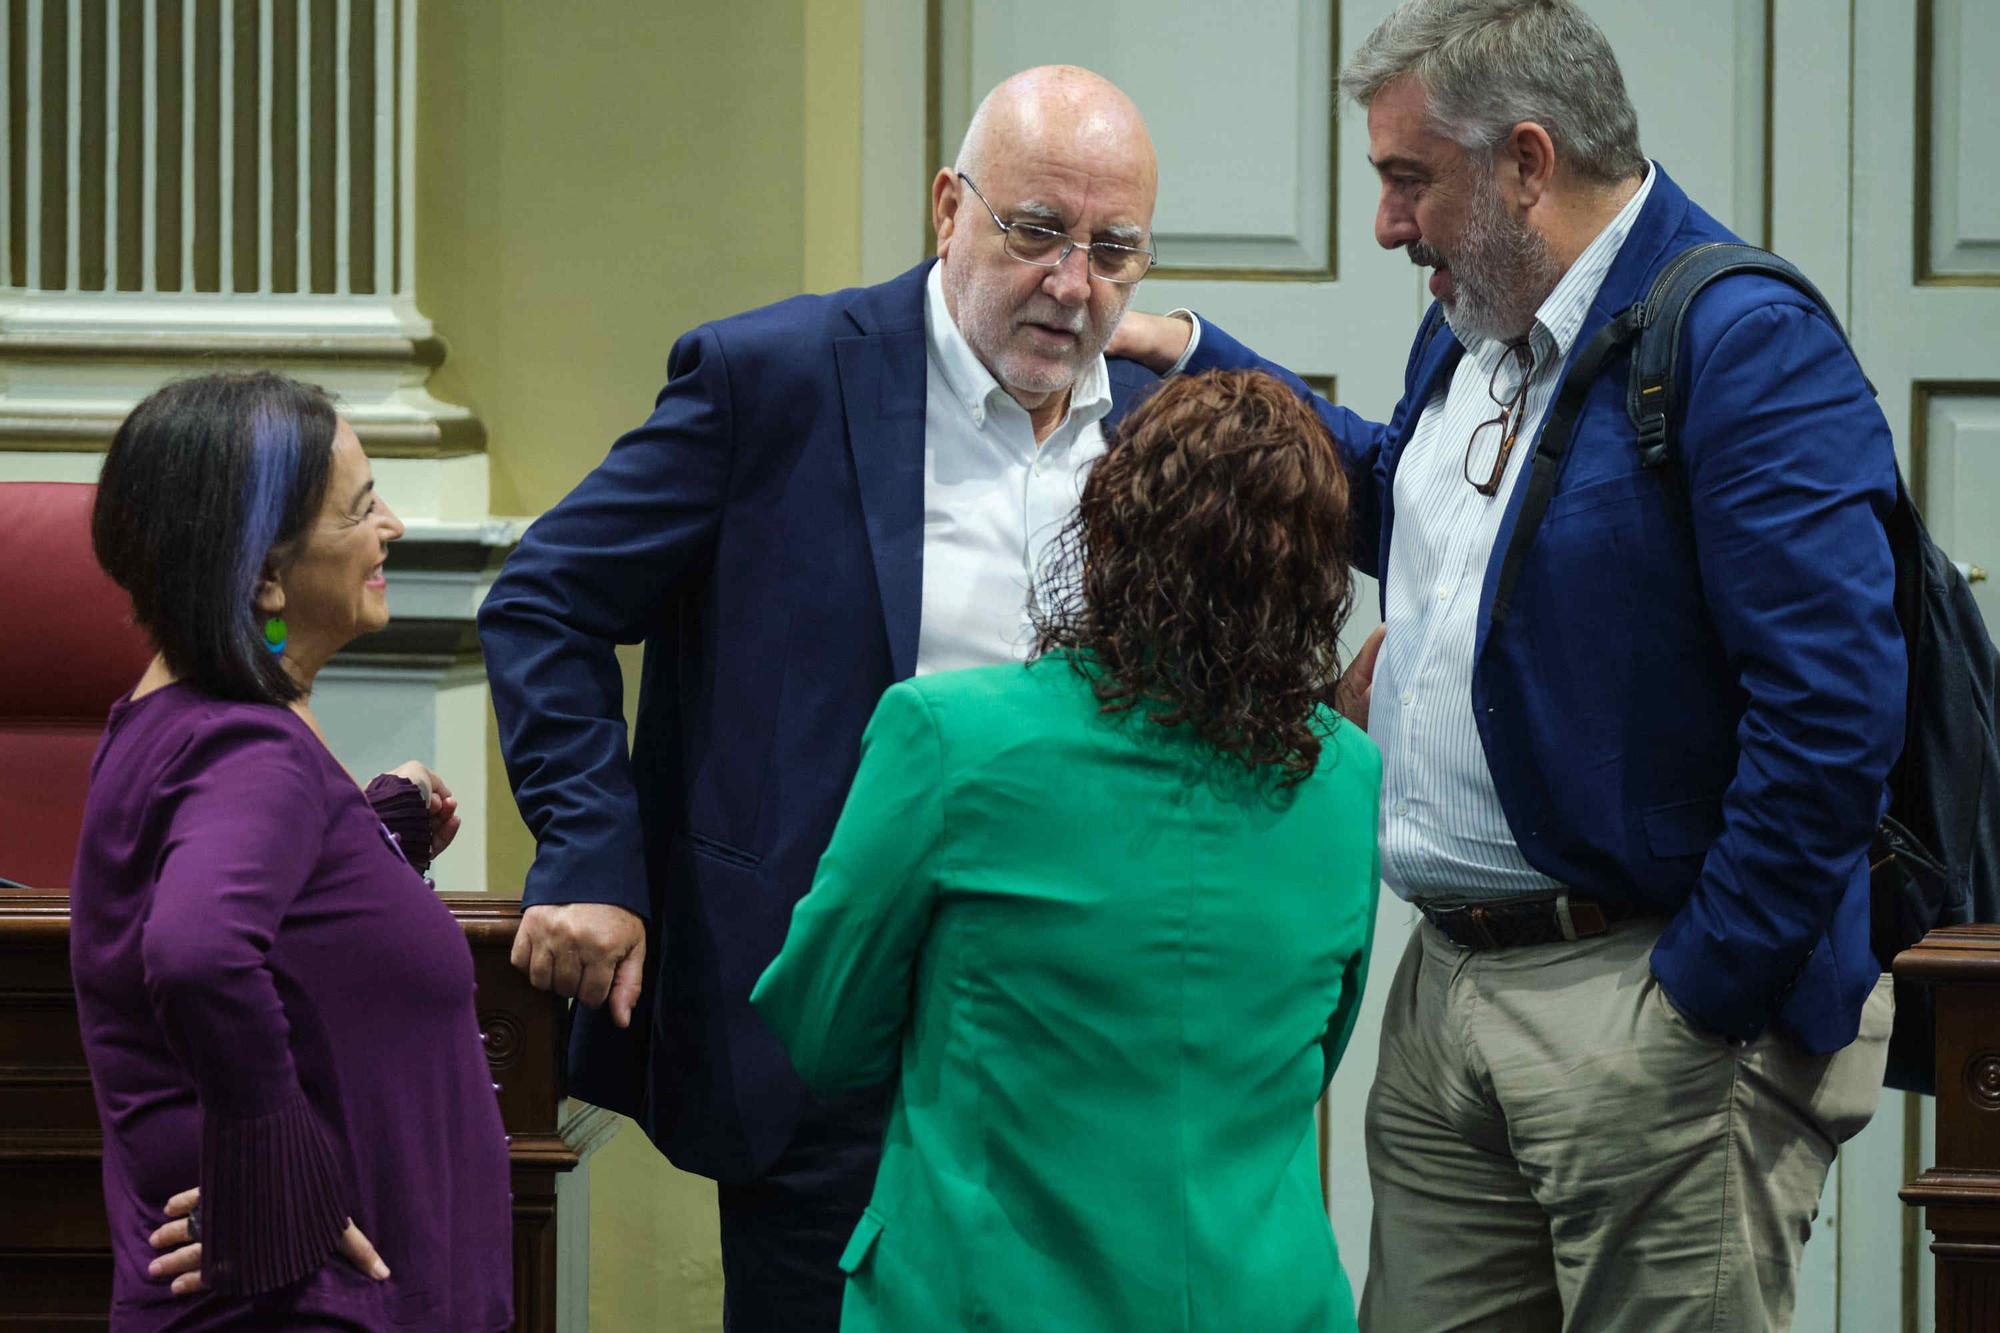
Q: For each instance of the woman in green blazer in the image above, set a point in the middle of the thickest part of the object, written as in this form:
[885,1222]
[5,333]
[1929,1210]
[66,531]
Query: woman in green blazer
[1106,916]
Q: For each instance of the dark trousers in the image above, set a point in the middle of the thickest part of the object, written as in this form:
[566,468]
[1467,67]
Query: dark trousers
[782,1234]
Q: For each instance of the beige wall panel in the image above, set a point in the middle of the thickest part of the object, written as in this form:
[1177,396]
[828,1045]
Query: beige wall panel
[597,179]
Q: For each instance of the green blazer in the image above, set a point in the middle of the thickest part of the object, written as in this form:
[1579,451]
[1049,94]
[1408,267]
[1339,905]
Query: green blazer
[1113,974]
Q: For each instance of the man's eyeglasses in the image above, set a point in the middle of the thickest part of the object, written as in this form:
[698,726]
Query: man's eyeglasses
[1507,425]
[1046,247]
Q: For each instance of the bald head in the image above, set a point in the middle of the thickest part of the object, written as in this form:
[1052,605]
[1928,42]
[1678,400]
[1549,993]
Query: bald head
[1061,152]
[1060,111]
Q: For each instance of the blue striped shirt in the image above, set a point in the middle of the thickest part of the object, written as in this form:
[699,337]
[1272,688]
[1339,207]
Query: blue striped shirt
[1443,830]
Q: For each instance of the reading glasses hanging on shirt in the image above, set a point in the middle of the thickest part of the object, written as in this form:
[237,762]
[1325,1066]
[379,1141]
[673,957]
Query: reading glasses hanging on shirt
[1507,426]
[1046,247]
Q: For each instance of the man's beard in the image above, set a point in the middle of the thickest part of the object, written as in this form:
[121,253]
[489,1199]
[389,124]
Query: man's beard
[1501,269]
[988,320]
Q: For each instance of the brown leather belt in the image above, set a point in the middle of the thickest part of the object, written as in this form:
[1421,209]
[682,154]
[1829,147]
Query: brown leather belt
[1505,923]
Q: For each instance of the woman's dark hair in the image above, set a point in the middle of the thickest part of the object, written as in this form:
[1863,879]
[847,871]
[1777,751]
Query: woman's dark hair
[206,483]
[1204,576]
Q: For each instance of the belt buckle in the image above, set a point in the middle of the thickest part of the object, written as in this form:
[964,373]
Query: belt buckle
[1581,919]
[1564,921]
[1462,919]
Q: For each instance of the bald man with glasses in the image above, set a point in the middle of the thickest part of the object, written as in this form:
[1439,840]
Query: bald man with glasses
[832,494]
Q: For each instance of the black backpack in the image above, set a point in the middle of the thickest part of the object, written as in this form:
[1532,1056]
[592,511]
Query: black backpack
[1936,856]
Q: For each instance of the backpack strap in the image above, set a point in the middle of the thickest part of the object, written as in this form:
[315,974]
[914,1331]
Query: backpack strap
[1652,394]
[1652,326]
[1552,448]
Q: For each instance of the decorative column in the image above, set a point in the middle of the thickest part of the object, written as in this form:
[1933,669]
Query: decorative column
[193,185]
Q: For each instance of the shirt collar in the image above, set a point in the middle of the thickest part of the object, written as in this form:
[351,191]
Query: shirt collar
[973,384]
[1561,314]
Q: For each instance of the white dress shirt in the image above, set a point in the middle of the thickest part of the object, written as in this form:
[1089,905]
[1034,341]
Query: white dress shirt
[994,499]
[1444,833]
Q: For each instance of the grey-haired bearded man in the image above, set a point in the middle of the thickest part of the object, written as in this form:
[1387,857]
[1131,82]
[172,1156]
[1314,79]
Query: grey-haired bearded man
[1641,1012]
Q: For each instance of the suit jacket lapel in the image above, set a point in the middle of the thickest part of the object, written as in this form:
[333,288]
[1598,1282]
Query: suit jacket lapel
[882,377]
[1631,271]
[883,372]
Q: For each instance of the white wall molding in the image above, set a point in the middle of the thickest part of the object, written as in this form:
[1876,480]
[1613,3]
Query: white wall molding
[262,216]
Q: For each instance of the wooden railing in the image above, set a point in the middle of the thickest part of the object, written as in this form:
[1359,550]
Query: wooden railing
[1960,1195]
[55,1260]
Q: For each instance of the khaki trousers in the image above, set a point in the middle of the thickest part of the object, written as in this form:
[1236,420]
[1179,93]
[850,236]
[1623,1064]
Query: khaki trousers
[1552,1147]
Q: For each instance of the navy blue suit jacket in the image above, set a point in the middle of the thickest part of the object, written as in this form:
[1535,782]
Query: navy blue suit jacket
[1705,729]
[762,533]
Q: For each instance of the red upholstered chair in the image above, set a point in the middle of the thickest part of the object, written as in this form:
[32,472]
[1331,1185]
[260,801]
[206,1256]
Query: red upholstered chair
[68,648]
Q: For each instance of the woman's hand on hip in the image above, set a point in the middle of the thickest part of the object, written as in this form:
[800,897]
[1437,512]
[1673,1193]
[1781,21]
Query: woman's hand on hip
[180,1239]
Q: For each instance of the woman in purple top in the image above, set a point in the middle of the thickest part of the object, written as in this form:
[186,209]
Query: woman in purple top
[274,1003]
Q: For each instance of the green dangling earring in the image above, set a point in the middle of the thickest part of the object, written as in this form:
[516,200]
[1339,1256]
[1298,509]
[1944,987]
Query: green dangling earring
[275,635]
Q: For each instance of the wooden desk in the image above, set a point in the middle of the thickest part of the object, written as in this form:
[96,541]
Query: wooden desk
[1960,1195]
[55,1259]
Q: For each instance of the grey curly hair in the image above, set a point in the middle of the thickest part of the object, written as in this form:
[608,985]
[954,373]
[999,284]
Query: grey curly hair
[1487,65]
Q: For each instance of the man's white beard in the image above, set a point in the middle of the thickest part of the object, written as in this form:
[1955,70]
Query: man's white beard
[986,319]
[1501,270]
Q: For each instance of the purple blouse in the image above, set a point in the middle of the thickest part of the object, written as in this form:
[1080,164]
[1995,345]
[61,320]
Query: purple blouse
[276,1006]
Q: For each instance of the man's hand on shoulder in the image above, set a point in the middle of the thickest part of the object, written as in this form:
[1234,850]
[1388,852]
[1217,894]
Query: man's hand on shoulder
[1154,341]
[592,951]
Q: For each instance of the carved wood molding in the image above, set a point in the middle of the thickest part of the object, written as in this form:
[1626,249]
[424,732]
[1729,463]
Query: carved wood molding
[1941,1187]
[1960,1195]
[1967,955]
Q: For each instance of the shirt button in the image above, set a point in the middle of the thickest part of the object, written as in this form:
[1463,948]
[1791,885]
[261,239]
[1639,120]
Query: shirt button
[1408,698]
[1402,807]
[1443,593]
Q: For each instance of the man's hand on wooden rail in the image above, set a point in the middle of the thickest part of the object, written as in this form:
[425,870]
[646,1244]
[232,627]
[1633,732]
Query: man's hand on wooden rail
[595,952]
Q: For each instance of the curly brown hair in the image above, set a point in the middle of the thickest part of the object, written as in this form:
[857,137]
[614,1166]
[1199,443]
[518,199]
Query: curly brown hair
[1204,575]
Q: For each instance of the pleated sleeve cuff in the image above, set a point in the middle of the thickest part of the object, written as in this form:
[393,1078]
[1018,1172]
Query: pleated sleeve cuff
[399,804]
[271,1202]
